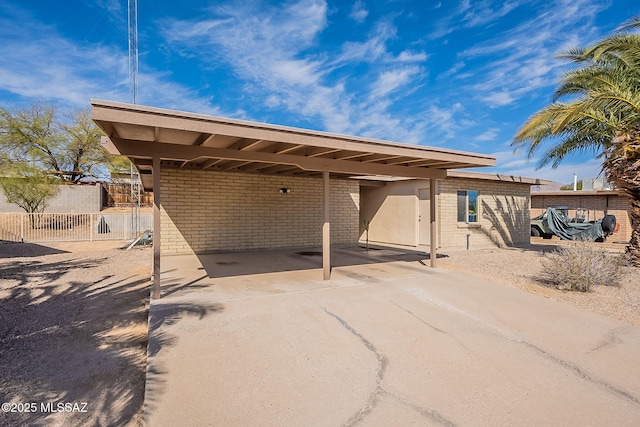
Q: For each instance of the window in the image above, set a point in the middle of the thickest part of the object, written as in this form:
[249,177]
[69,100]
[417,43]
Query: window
[467,206]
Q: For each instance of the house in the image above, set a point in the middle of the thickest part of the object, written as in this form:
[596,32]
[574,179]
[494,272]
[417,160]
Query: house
[230,185]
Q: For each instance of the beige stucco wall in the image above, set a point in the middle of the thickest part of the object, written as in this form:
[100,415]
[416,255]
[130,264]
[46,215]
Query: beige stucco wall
[597,204]
[394,209]
[392,213]
[205,211]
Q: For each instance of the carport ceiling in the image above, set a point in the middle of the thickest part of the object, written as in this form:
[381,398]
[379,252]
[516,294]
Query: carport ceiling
[193,141]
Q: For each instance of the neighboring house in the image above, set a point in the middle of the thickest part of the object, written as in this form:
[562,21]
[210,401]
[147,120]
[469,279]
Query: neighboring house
[598,203]
[478,209]
[70,199]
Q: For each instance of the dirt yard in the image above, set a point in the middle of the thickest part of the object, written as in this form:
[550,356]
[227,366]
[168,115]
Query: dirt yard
[521,268]
[73,333]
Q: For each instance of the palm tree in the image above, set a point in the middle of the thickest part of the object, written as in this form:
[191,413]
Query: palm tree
[602,114]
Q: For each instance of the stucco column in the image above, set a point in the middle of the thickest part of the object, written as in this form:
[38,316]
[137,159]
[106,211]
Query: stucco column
[433,224]
[155,294]
[326,229]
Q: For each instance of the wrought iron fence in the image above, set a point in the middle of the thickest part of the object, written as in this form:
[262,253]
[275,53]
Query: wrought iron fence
[47,227]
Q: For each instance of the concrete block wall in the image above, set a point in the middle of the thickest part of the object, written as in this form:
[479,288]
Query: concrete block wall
[70,199]
[598,205]
[204,211]
[503,214]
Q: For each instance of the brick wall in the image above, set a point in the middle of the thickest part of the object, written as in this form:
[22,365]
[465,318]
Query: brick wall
[598,205]
[211,211]
[503,214]
[70,199]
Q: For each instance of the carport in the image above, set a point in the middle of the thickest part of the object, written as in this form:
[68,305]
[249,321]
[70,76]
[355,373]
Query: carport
[155,139]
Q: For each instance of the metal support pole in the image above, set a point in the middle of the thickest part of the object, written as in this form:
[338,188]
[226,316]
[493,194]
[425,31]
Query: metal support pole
[156,228]
[432,222]
[326,229]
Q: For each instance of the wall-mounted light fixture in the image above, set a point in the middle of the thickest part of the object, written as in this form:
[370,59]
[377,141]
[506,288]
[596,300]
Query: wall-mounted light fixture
[285,190]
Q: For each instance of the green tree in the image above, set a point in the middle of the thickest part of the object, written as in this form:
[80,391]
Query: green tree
[29,188]
[69,149]
[601,112]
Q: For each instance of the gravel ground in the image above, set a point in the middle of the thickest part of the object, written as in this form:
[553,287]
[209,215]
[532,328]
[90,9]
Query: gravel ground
[521,268]
[73,329]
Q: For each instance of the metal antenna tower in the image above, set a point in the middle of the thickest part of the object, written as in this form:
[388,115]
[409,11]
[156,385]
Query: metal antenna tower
[133,93]
[133,51]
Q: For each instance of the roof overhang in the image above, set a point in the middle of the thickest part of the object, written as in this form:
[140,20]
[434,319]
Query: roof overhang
[498,177]
[578,193]
[194,141]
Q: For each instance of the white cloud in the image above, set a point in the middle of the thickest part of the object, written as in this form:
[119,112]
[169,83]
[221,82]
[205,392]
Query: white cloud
[407,56]
[498,99]
[520,61]
[388,81]
[359,12]
[270,49]
[517,164]
[488,135]
[70,73]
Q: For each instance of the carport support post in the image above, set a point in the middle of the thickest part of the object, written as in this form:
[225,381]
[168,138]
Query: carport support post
[155,294]
[432,222]
[326,229]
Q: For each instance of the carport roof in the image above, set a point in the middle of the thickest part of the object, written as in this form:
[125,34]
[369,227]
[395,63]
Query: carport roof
[195,141]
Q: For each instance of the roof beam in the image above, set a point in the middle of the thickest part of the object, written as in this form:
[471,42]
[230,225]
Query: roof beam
[289,149]
[189,152]
[210,163]
[203,139]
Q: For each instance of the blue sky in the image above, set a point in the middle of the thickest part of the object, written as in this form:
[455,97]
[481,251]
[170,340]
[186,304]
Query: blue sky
[454,74]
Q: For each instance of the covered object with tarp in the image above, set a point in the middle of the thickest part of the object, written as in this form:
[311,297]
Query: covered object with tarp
[559,224]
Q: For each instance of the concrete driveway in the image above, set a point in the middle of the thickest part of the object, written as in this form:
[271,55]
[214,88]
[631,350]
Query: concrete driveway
[256,339]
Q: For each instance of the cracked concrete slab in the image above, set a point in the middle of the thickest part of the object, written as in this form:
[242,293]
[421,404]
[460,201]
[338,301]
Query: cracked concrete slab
[382,343]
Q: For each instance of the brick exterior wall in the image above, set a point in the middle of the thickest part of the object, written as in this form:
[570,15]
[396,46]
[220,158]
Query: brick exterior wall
[598,205]
[204,211]
[70,199]
[503,214]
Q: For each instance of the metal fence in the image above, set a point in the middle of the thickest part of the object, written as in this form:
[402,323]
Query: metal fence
[47,227]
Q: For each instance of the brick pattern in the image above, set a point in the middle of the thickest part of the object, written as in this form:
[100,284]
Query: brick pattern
[597,204]
[212,211]
[503,214]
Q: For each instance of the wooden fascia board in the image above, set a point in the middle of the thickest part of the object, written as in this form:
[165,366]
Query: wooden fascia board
[189,153]
[212,125]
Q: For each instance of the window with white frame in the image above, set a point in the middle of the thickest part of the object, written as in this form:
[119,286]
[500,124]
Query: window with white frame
[467,206]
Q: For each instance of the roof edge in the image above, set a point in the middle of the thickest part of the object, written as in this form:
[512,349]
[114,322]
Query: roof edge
[287,129]
[497,177]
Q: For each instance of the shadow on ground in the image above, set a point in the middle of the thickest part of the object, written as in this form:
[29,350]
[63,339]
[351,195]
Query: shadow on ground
[229,264]
[73,330]
[15,250]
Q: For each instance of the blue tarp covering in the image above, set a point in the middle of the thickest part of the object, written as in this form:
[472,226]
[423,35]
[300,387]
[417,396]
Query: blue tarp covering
[559,224]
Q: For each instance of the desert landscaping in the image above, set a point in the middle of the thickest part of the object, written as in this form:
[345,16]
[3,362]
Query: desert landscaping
[73,329]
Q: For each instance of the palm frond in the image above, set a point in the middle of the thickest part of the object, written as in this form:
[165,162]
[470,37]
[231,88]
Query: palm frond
[631,24]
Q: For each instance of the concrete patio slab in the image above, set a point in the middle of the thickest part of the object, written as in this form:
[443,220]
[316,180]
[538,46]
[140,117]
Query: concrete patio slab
[257,338]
